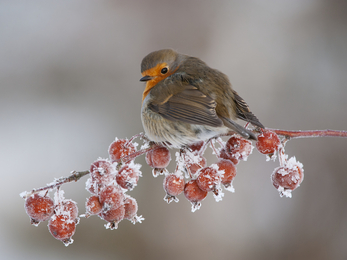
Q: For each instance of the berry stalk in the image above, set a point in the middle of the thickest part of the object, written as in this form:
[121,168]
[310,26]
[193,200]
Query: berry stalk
[138,153]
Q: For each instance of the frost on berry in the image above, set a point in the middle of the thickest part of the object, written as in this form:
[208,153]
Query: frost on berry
[196,147]
[111,197]
[194,167]
[268,143]
[62,228]
[93,187]
[65,207]
[194,194]
[224,155]
[101,172]
[158,158]
[130,207]
[229,173]
[121,148]
[181,163]
[173,185]
[189,162]
[288,177]
[236,149]
[39,208]
[209,178]
[129,175]
[113,216]
[93,205]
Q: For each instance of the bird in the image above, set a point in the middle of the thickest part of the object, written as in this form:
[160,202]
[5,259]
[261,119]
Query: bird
[186,101]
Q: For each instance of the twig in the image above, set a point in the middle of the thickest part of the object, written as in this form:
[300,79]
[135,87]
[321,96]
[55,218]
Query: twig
[289,134]
[75,176]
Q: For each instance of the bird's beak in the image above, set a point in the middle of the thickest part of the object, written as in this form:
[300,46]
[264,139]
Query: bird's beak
[146,78]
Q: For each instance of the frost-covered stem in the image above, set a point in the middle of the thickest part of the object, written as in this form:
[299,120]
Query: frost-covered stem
[309,133]
[75,176]
[282,156]
[184,154]
[132,156]
[203,148]
[141,135]
[213,147]
[220,141]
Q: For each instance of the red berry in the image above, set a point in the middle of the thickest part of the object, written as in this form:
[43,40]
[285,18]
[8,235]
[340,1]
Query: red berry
[68,208]
[288,178]
[196,166]
[100,171]
[39,208]
[173,184]
[93,205]
[93,187]
[111,197]
[236,148]
[196,147]
[193,193]
[209,178]
[158,158]
[268,142]
[130,206]
[225,155]
[120,148]
[229,171]
[113,215]
[62,228]
[128,176]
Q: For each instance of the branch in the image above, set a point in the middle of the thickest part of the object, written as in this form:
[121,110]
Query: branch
[75,176]
[289,134]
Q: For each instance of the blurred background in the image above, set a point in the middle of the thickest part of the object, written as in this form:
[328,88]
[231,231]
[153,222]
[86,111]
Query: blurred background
[69,84]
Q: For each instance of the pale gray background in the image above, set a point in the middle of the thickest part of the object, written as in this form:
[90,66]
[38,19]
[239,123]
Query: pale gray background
[69,79]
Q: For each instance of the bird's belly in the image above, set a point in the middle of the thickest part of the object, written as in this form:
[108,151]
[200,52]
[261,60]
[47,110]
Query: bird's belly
[177,133]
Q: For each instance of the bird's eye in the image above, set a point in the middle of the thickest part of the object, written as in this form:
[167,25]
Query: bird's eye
[164,70]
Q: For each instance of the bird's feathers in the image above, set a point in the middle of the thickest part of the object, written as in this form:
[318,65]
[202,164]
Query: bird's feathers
[190,106]
[243,112]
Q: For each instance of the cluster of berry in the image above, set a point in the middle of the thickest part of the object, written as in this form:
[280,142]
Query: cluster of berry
[109,200]
[62,215]
[111,178]
[108,186]
[290,174]
[202,179]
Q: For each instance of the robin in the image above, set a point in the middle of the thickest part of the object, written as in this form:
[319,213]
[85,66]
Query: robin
[186,101]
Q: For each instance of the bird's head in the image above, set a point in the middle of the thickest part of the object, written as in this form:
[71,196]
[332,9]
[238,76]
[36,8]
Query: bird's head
[157,66]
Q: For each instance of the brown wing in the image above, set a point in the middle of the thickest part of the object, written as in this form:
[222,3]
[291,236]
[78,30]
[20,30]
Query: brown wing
[190,106]
[243,112]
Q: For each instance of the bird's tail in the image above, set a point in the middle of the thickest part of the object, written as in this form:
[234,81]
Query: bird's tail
[245,133]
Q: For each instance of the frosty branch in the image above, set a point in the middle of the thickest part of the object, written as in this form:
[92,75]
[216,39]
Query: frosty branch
[289,134]
[110,179]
